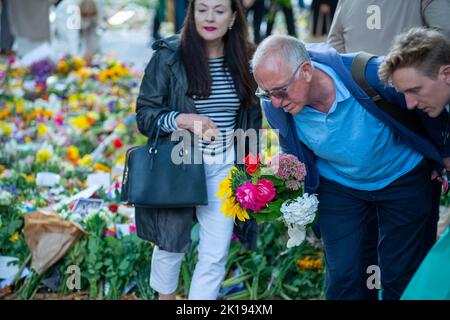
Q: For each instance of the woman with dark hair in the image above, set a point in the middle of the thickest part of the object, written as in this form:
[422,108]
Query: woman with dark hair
[201,82]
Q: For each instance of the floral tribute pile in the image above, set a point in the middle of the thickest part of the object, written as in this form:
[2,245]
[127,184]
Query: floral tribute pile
[64,130]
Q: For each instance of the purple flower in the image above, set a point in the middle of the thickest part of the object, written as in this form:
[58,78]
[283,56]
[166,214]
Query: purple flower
[42,69]
[14,190]
[293,184]
[288,167]
[111,105]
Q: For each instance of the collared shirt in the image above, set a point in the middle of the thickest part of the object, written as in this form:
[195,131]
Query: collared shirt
[353,147]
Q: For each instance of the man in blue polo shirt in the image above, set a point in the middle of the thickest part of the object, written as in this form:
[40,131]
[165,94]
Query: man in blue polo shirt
[357,158]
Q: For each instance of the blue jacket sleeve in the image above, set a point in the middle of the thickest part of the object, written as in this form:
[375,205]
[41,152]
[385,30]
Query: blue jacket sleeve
[275,121]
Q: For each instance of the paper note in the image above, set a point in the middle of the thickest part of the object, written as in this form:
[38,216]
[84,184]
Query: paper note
[47,179]
[8,267]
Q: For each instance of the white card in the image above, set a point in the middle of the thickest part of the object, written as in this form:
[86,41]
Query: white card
[126,211]
[47,179]
[86,193]
[101,179]
[122,230]
[6,270]
[9,281]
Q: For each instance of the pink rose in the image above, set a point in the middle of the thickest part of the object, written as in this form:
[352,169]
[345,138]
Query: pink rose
[247,196]
[265,192]
[110,232]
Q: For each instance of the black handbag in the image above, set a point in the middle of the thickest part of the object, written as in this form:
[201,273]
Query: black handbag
[152,179]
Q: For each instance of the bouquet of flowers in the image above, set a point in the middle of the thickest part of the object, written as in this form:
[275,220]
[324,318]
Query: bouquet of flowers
[270,192]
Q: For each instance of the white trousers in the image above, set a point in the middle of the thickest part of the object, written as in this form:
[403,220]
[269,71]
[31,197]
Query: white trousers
[215,236]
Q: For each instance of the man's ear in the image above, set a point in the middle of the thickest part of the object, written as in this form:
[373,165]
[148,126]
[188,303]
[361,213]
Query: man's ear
[444,72]
[307,71]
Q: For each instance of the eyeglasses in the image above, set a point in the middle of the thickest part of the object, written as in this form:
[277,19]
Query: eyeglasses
[281,93]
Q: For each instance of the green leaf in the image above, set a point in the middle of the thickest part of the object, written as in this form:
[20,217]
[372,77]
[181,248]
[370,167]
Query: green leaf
[13,226]
[124,265]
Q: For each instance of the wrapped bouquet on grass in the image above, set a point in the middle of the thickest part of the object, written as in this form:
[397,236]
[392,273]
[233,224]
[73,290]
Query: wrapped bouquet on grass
[270,192]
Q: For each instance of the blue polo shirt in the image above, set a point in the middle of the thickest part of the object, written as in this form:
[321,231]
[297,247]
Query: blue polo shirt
[353,147]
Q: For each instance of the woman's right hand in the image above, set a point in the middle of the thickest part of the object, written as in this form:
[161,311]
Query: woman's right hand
[201,126]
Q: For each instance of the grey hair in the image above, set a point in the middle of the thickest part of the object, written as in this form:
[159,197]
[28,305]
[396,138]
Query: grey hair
[289,49]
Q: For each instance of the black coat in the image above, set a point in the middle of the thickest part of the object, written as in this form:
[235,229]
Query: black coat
[163,89]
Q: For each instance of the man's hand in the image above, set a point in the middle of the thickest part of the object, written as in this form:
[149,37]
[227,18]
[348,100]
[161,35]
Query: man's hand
[201,126]
[446,162]
[435,175]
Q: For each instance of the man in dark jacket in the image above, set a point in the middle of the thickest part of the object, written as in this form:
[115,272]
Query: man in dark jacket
[357,158]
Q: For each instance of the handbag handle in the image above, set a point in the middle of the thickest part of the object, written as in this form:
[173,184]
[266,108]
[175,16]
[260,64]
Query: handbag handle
[153,148]
[156,126]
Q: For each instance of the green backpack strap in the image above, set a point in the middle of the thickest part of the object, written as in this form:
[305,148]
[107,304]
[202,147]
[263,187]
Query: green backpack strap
[409,119]
[359,65]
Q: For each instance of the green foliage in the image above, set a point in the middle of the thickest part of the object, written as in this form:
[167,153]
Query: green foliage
[271,272]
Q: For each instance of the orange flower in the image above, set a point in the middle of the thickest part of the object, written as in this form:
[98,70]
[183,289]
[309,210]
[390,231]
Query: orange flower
[101,167]
[4,113]
[307,263]
[63,67]
[73,154]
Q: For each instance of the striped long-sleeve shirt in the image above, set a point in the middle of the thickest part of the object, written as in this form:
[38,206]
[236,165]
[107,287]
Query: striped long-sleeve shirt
[221,107]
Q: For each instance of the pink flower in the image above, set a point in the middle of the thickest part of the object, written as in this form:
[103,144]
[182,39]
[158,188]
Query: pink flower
[110,232]
[132,228]
[247,196]
[287,166]
[59,119]
[11,60]
[293,185]
[265,192]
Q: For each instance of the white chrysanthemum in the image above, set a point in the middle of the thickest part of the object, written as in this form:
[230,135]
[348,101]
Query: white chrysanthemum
[8,151]
[300,211]
[296,234]
[6,198]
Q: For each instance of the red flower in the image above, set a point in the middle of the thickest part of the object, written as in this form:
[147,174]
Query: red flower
[252,163]
[265,192]
[117,143]
[113,208]
[59,119]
